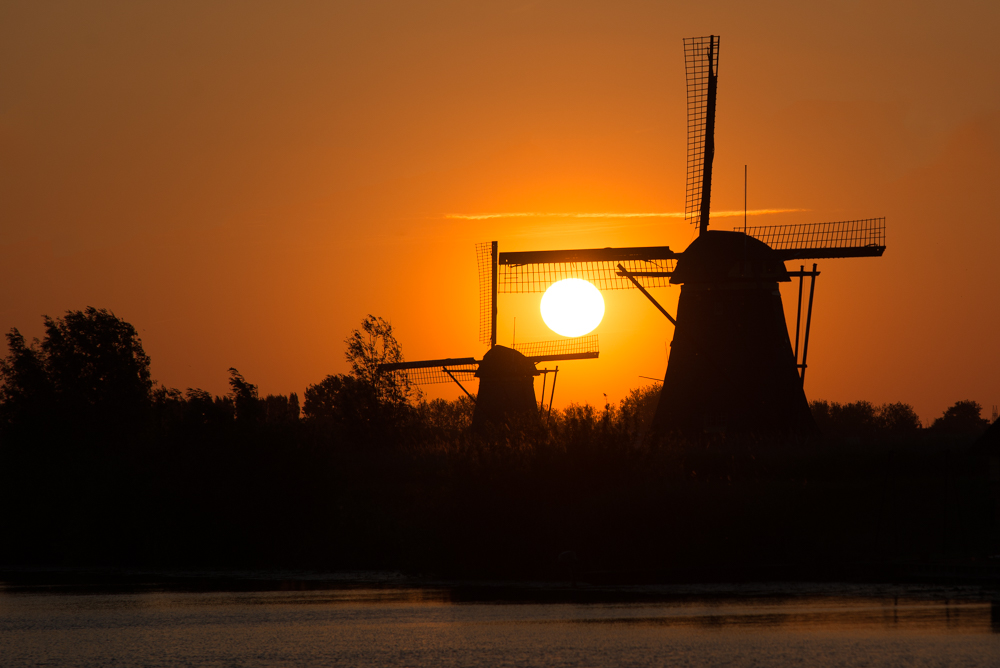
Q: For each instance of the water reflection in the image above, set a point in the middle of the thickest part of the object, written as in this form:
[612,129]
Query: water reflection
[826,615]
[431,626]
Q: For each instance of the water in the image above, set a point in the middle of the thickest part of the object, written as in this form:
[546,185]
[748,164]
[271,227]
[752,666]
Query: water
[427,626]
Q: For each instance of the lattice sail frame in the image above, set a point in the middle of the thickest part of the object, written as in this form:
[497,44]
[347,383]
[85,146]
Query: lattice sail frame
[580,345]
[484,263]
[866,233]
[603,274]
[697,69]
[429,372]
[528,272]
[432,375]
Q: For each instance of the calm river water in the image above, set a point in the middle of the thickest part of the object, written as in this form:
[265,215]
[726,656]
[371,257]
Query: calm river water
[427,626]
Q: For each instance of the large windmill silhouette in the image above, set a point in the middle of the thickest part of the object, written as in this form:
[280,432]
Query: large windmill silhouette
[731,367]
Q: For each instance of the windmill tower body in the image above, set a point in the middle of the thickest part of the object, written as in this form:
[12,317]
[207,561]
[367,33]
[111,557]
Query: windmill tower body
[731,365]
[506,391]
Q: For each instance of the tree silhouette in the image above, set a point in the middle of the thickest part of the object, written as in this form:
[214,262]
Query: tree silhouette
[863,419]
[961,419]
[369,347]
[26,392]
[279,409]
[204,409]
[899,419]
[89,370]
[248,405]
[339,400]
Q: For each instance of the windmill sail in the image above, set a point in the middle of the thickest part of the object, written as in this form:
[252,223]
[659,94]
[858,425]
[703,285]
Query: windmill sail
[535,271]
[701,66]
[452,369]
[486,259]
[848,238]
[426,372]
[579,348]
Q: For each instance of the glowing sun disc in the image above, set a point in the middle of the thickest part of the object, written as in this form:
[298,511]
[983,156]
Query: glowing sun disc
[572,307]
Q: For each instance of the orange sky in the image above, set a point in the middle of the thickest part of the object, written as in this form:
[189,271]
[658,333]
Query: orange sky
[245,181]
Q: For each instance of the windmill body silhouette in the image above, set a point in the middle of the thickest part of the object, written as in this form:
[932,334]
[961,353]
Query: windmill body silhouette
[731,364]
[506,395]
[732,367]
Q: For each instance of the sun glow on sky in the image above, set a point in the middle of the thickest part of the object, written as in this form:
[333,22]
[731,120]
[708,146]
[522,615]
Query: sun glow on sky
[572,307]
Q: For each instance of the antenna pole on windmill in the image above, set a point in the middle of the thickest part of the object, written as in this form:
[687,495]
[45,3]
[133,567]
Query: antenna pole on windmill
[706,182]
[745,269]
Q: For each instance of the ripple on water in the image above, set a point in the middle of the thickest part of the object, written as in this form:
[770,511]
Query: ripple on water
[423,627]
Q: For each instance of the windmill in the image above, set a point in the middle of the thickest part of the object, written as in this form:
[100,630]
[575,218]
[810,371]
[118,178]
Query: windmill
[506,377]
[731,367]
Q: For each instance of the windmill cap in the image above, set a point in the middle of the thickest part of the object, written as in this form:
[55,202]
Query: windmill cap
[728,256]
[503,362]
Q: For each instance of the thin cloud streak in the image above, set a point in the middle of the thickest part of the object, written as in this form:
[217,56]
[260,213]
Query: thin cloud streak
[671,214]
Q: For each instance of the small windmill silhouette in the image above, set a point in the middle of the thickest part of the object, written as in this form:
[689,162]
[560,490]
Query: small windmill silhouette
[732,367]
[506,377]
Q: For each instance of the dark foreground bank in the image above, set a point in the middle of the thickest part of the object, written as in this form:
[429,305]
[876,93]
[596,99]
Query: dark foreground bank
[101,468]
[577,500]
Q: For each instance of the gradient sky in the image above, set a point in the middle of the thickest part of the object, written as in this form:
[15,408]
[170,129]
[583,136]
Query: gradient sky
[244,181]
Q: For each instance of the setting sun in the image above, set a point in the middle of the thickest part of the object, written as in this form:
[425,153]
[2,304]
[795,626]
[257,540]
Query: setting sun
[572,307]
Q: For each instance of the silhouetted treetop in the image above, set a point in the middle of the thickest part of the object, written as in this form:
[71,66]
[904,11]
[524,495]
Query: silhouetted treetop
[95,355]
[367,348]
[244,394]
[863,419]
[26,390]
[336,399]
[962,419]
[89,367]
[279,409]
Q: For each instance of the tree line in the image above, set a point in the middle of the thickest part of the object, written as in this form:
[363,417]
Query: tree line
[101,465]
